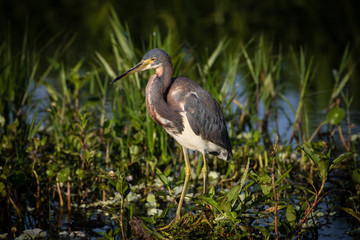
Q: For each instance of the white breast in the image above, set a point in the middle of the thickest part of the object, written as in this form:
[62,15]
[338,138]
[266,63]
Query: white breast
[188,139]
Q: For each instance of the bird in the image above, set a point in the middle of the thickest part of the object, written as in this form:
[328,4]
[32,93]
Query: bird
[186,111]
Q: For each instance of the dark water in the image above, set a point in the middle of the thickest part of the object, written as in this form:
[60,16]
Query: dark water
[323,28]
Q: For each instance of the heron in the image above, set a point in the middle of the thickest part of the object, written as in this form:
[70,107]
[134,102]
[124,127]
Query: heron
[186,111]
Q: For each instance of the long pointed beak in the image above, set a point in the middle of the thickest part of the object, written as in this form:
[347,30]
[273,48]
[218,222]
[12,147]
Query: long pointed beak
[138,67]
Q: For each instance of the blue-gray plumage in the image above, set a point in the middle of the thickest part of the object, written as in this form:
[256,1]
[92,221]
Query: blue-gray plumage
[185,110]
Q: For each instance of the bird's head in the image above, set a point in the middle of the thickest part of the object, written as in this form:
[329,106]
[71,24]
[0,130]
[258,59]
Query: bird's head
[152,59]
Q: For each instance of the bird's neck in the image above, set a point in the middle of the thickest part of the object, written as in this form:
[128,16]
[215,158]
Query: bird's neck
[164,73]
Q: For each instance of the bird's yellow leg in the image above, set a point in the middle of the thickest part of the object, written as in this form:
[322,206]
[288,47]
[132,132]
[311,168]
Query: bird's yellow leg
[187,177]
[204,172]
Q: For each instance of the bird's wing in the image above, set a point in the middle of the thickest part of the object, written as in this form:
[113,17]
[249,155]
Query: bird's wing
[206,119]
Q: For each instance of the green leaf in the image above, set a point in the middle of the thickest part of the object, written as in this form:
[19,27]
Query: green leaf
[256,136]
[265,183]
[136,124]
[225,205]
[340,159]
[51,91]
[43,141]
[63,175]
[2,189]
[324,168]
[263,231]
[148,219]
[80,173]
[50,173]
[153,232]
[134,149]
[211,192]
[244,176]
[356,176]
[290,214]
[36,142]
[351,212]
[234,193]
[122,187]
[282,177]
[335,116]
[105,64]
[2,121]
[162,177]
[213,203]
[310,153]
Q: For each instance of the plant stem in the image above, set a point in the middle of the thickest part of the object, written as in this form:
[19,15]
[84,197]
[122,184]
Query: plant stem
[37,190]
[122,216]
[59,192]
[342,138]
[308,211]
[68,196]
[273,154]
[275,200]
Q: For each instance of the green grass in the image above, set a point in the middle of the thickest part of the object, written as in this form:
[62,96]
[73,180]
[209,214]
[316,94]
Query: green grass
[272,188]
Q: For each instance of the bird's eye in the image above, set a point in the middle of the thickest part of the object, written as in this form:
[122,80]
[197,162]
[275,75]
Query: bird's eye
[153,59]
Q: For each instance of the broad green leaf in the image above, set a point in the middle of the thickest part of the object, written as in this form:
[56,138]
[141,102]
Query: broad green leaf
[335,116]
[324,168]
[64,174]
[234,193]
[233,215]
[290,214]
[225,205]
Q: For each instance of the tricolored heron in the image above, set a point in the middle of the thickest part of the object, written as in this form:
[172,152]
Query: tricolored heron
[185,110]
